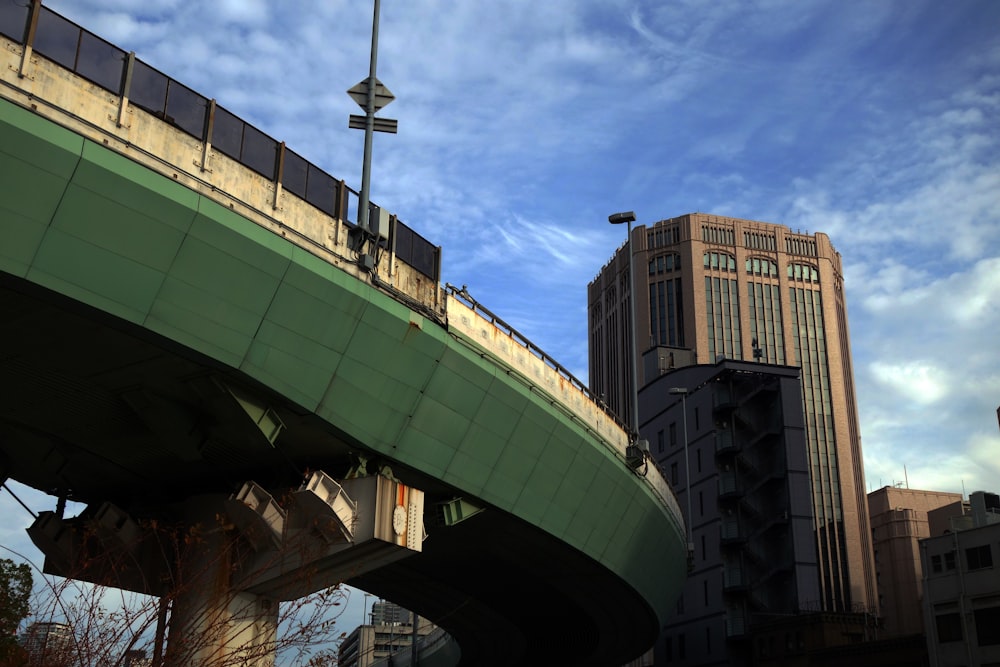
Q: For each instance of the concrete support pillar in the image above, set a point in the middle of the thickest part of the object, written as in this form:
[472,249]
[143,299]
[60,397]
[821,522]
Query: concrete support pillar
[226,562]
[211,623]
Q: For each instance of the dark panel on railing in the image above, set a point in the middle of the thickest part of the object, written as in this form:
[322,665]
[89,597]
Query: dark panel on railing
[57,38]
[149,89]
[186,109]
[424,258]
[244,143]
[403,241]
[260,152]
[14,19]
[321,190]
[101,62]
[296,174]
[415,250]
[227,133]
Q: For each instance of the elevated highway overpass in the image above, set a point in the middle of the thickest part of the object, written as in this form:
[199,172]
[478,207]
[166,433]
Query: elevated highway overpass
[183,316]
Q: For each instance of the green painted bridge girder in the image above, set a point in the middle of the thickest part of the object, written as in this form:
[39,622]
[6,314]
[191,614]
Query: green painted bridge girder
[86,222]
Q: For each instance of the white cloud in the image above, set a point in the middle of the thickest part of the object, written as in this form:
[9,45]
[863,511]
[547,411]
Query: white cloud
[917,382]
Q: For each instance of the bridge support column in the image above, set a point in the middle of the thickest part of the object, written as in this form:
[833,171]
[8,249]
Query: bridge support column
[226,562]
[212,623]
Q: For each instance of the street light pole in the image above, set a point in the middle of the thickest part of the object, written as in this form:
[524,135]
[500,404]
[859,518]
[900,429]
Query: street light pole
[683,393]
[366,165]
[616,219]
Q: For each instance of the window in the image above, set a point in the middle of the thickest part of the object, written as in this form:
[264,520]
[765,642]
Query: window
[803,272]
[673,473]
[949,560]
[705,590]
[936,563]
[659,441]
[698,457]
[704,554]
[719,261]
[673,434]
[664,264]
[701,504]
[987,622]
[977,558]
[949,627]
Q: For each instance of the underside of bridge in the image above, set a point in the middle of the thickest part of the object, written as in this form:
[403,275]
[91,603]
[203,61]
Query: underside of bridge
[103,411]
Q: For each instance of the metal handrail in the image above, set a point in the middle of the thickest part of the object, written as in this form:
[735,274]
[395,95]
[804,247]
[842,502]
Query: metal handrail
[464,296]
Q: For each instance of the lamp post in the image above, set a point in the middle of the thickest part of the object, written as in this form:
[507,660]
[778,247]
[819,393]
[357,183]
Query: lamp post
[683,393]
[617,219]
[370,622]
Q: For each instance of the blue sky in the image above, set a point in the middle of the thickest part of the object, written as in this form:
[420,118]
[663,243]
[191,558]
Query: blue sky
[523,124]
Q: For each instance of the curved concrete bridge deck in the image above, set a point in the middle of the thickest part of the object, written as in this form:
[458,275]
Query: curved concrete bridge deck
[137,287]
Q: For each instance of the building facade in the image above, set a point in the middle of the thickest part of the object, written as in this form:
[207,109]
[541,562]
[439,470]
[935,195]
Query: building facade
[390,633]
[730,437]
[899,520]
[961,603]
[49,643]
[753,291]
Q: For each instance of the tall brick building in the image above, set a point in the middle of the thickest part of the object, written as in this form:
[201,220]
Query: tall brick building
[752,291]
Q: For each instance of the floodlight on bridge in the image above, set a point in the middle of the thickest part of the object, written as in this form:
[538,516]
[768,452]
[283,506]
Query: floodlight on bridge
[635,454]
[115,527]
[323,505]
[55,540]
[258,516]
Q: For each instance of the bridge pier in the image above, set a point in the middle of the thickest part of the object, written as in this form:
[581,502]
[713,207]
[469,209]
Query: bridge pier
[225,563]
[212,623]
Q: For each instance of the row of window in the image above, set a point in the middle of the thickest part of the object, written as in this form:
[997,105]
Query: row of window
[664,264]
[760,241]
[663,236]
[987,620]
[666,313]
[976,558]
[659,237]
[721,261]
[718,235]
[800,246]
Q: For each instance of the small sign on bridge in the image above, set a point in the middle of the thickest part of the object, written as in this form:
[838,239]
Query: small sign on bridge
[359,93]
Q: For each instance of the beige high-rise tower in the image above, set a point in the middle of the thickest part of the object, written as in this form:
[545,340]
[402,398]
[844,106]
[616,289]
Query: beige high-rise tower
[740,289]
